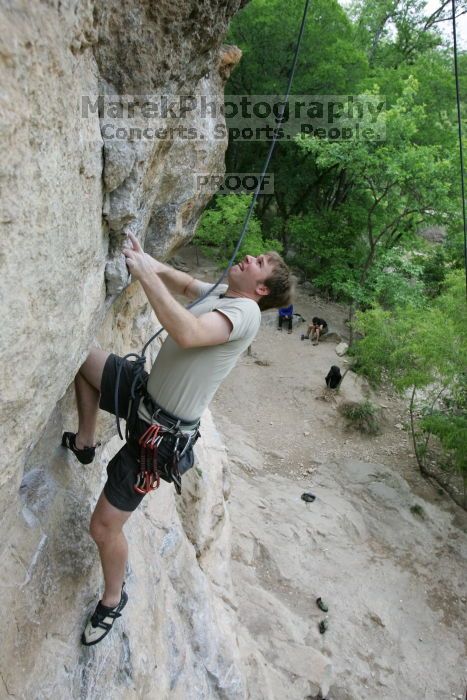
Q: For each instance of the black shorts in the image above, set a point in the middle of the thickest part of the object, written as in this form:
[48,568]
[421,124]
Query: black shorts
[124,467]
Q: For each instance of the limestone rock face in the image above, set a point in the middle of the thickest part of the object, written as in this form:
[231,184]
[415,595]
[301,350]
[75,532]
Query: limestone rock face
[146,46]
[161,118]
[69,190]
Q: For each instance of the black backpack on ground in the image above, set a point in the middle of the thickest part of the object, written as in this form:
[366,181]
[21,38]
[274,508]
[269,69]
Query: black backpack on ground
[333,377]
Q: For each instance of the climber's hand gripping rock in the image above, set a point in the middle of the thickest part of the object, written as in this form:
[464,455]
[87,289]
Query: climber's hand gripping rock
[140,264]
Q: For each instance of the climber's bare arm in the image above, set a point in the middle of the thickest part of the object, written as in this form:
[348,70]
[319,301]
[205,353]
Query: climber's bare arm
[186,329]
[178,282]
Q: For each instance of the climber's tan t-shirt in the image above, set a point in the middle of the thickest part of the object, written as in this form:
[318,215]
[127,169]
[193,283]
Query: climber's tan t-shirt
[183,381]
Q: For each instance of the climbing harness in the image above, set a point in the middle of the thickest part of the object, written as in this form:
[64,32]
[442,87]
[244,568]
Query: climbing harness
[151,441]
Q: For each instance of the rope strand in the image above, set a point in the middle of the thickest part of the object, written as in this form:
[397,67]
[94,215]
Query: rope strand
[459,128]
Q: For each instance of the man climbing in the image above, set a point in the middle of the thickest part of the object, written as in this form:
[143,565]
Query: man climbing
[202,346]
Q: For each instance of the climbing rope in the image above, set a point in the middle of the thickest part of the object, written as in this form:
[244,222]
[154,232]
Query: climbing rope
[459,128]
[140,360]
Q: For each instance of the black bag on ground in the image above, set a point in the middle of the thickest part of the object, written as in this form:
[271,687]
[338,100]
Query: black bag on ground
[333,377]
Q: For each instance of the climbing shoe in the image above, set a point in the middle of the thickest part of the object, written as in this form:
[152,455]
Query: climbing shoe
[101,621]
[85,455]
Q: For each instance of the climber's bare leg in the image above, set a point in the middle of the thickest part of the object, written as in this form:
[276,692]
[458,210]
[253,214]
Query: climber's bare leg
[106,530]
[87,388]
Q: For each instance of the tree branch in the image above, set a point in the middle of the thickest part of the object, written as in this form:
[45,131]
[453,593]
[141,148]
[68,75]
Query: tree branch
[392,226]
[436,18]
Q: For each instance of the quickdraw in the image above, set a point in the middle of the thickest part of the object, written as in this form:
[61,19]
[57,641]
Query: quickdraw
[149,478]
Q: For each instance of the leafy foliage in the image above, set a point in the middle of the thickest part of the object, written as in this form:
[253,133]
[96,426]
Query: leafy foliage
[220,227]
[417,510]
[452,433]
[330,59]
[338,206]
[391,189]
[425,350]
[330,62]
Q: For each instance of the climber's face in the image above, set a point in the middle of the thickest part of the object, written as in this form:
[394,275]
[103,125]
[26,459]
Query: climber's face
[248,276]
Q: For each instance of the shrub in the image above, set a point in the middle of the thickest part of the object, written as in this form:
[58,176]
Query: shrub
[361,416]
[423,353]
[417,510]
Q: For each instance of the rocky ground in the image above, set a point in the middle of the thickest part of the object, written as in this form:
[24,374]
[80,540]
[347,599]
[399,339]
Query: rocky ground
[384,549]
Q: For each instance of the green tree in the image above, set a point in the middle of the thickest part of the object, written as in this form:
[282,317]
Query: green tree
[330,63]
[424,352]
[396,32]
[373,196]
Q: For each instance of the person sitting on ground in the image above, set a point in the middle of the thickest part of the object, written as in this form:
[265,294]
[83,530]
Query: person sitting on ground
[333,377]
[202,346]
[317,328]
[285,314]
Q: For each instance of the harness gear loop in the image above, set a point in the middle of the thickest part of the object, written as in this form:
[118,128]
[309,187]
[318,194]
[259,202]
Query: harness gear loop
[149,475]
